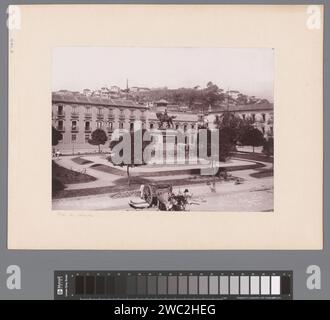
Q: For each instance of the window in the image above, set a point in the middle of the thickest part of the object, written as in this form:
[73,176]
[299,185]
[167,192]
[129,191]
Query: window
[263,117]
[60,125]
[86,138]
[74,138]
[110,125]
[74,125]
[253,117]
[87,125]
[131,126]
[177,127]
[60,109]
[244,116]
[185,127]
[121,125]
[151,125]
[99,125]
[192,126]
[100,111]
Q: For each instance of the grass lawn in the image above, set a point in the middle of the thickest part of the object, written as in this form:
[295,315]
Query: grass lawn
[263,174]
[108,169]
[253,156]
[81,161]
[67,176]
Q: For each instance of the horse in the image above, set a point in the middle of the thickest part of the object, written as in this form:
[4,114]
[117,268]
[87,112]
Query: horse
[164,118]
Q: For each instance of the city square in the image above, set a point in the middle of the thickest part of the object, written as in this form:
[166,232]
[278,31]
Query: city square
[210,148]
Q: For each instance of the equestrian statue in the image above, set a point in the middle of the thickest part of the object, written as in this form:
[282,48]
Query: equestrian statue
[165,118]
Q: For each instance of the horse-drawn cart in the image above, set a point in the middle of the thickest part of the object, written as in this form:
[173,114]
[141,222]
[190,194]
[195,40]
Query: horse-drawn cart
[152,192]
[160,196]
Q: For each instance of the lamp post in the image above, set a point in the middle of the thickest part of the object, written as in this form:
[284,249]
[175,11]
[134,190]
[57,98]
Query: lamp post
[73,142]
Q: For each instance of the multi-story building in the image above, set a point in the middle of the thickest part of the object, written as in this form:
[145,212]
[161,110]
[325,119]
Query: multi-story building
[87,92]
[260,114]
[105,92]
[76,116]
[114,90]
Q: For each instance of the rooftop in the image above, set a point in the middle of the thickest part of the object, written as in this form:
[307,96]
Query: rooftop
[162,101]
[69,98]
[178,116]
[244,107]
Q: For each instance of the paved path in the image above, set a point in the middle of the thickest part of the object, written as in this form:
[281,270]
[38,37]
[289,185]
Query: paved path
[103,179]
[252,195]
[165,167]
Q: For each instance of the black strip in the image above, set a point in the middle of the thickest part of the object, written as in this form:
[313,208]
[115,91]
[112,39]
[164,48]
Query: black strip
[110,286]
[90,285]
[285,285]
[120,286]
[131,285]
[100,285]
[79,285]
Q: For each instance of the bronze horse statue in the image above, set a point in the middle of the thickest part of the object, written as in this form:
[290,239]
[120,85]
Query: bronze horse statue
[165,118]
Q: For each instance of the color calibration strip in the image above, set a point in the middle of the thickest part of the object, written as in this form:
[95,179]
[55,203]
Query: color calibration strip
[173,285]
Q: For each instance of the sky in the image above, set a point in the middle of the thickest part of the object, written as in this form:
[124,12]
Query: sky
[248,70]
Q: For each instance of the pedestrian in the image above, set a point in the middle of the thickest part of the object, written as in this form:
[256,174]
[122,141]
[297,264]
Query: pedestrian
[164,203]
[142,191]
[187,196]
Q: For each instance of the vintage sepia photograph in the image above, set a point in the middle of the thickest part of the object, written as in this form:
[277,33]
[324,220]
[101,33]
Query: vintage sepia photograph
[162,129]
[190,135]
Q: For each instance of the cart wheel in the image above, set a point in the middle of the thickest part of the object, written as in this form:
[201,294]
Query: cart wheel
[147,195]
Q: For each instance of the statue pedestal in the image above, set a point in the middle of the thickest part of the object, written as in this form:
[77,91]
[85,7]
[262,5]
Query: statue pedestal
[171,146]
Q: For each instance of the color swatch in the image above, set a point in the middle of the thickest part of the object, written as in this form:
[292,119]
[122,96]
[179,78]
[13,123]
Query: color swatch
[173,284]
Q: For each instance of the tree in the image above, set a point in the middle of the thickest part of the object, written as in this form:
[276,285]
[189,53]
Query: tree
[224,147]
[268,147]
[252,137]
[56,137]
[99,137]
[133,160]
[264,101]
[232,125]
[212,94]
[216,150]
[242,98]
